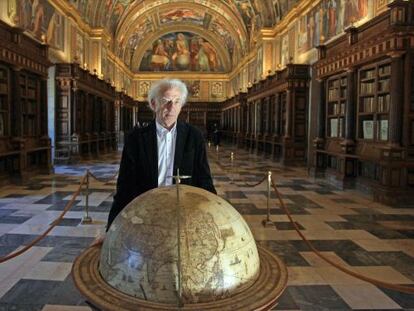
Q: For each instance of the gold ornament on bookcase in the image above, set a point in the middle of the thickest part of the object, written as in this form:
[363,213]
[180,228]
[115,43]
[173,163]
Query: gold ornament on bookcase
[322,39]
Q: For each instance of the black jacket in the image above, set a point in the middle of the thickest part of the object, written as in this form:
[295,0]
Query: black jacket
[138,170]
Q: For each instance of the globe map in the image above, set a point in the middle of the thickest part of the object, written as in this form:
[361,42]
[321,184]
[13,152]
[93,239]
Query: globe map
[218,256]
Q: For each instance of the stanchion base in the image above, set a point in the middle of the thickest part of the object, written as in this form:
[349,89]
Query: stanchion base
[86,220]
[266,223]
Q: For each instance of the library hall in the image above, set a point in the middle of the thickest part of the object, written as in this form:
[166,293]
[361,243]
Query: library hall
[227,155]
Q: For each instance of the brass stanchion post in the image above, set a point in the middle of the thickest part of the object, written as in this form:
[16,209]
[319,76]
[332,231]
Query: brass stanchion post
[231,166]
[86,218]
[217,152]
[209,144]
[267,221]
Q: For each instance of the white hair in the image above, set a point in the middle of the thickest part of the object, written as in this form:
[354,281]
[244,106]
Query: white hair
[158,88]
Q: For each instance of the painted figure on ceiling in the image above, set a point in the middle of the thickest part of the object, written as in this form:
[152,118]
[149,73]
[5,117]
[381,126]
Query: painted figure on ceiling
[210,52]
[169,47]
[340,16]
[351,12]
[38,18]
[194,51]
[159,59]
[278,10]
[362,8]
[332,18]
[180,51]
[311,29]
[324,13]
[181,57]
[25,14]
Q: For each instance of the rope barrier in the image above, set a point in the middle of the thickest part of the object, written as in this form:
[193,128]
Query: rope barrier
[254,185]
[103,180]
[400,288]
[52,225]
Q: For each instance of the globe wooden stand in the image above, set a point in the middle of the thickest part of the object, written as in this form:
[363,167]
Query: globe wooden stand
[262,295]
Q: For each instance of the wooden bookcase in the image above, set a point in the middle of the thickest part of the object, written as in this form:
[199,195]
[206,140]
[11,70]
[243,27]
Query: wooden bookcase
[336,105]
[85,114]
[374,102]
[29,97]
[4,101]
[24,143]
[126,115]
[365,124]
[272,117]
[234,113]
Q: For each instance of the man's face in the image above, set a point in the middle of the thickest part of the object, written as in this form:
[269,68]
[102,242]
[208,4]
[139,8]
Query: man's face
[168,107]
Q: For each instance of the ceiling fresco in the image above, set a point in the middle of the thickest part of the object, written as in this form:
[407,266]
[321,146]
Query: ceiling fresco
[136,25]
[181,51]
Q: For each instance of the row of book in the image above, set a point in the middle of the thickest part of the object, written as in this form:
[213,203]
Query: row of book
[336,108]
[3,88]
[368,129]
[368,74]
[3,74]
[367,87]
[368,104]
[384,70]
[384,103]
[29,107]
[29,126]
[336,127]
[29,93]
[384,85]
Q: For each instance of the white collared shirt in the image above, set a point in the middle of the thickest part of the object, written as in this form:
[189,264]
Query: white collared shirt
[166,151]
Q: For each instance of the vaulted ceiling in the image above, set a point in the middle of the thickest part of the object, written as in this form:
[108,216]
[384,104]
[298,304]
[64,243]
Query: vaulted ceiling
[226,27]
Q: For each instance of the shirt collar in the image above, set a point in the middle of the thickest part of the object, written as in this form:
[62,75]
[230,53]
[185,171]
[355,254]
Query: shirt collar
[161,131]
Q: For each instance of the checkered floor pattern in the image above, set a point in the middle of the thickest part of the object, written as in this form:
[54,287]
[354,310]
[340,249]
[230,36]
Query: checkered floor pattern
[349,228]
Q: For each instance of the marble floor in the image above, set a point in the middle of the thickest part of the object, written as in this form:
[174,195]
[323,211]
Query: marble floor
[367,237]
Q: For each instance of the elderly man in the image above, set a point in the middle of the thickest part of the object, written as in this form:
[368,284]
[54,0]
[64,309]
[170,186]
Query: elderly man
[153,154]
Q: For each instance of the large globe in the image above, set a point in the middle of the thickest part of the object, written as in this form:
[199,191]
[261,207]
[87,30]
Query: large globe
[214,257]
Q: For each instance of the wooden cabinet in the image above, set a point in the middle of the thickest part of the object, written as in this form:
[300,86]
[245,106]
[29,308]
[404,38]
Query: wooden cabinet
[365,121]
[24,143]
[85,114]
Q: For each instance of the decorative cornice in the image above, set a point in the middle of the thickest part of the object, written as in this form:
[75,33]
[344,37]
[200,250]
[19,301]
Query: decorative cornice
[182,75]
